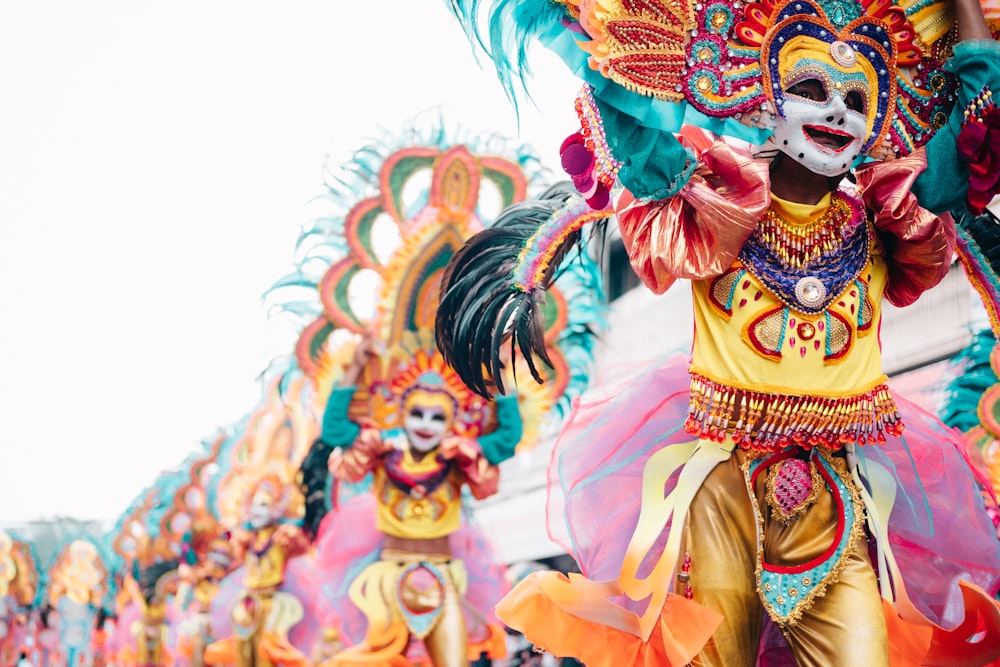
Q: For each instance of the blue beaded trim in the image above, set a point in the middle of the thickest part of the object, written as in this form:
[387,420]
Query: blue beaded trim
[420,624]
[836,270]
[787,595]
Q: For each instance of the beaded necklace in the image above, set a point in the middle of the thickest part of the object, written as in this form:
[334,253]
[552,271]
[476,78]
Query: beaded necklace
[407,481]
[806,266]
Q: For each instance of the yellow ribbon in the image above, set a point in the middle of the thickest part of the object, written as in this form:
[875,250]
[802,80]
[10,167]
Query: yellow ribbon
[589,599]
[878,506]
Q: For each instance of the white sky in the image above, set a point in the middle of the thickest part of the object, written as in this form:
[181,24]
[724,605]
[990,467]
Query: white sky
[155,163]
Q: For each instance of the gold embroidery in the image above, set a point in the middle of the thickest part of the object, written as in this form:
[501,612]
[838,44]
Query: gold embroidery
[855,536]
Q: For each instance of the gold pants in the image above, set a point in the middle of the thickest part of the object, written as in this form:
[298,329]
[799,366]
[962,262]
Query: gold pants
[844,626]
[374,592]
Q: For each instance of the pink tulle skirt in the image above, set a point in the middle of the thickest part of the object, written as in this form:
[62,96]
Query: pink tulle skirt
[301,581]
[348,542]
[939,529]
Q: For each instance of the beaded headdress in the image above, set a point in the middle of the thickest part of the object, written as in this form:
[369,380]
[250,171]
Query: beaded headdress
[716,63]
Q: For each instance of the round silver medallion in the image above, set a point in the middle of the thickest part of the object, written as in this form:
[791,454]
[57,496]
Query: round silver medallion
[810,291]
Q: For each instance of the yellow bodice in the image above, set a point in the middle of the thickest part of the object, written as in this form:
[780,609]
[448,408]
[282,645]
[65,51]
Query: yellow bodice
[264,565]
[413,515]
[760,362]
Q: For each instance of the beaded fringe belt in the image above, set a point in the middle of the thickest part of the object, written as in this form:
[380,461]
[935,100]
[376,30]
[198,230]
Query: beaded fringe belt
[760,420]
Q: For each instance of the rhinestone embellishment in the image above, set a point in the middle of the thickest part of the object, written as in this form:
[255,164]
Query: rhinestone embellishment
[843,54]
[810,291]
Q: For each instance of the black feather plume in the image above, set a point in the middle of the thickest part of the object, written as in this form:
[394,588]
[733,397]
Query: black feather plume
[481,306]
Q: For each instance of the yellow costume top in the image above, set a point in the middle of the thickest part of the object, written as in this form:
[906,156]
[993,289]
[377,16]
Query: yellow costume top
[417,499]
[787,297]
[811,341]
[265,561]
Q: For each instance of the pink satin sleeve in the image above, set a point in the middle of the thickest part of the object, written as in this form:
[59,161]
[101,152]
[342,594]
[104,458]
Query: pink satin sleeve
[483,479]
[698,232]
[919,245]
[363,456]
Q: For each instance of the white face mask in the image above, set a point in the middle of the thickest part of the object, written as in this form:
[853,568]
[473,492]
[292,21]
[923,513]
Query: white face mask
[823,131]
[425,426]
[260,512]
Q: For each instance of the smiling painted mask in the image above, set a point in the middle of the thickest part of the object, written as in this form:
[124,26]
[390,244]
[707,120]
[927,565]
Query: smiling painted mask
[834,90]
[826,106]
[427,418]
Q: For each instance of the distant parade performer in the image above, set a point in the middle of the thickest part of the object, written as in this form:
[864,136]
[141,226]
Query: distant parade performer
[407,579]
[264,613]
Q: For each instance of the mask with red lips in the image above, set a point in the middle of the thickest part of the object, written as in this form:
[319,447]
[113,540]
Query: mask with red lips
[825,138]
[824,120]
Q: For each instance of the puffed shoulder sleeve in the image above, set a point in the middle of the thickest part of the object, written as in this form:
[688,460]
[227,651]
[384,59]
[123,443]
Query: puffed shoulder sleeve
[919,245]
[943,186]
[698,232]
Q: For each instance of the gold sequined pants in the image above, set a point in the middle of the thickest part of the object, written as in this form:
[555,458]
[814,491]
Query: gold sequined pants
[246,649]
[447,643]
[844,627]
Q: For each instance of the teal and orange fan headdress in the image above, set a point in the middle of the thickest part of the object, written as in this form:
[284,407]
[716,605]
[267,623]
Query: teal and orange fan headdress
[714,63]
[372,263]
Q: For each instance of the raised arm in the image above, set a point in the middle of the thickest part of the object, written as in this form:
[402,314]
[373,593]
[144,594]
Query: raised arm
[482,476]
[357,449]
[683,215]
[976,64]
[918,243]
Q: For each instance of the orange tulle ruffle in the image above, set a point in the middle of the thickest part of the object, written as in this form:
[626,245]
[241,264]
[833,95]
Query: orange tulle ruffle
[683,629]
[276,649]
[975,642]
[494,645]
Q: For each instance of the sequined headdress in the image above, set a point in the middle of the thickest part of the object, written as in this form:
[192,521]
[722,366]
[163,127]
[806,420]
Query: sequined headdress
[715,63]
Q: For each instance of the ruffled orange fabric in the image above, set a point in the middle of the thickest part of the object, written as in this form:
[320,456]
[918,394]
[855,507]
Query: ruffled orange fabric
[391,646]
[699,232]
[280,651]
[684,627]
[185,646]
[919,244]
[912,645]
[127,657]
[494,645]
[273,647]
[221,652]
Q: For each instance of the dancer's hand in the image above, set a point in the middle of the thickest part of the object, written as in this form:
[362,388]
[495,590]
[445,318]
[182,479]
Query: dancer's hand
[461,450]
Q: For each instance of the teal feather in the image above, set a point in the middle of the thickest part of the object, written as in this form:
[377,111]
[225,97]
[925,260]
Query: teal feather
[511,26]
[971,375]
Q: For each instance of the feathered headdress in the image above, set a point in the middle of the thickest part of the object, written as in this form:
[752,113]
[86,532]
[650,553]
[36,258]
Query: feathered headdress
[401,210]
[715,63]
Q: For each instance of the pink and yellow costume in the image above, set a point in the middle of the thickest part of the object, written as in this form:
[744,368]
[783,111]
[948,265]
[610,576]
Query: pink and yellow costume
[774,471]
[416,500]
[263,615]
[803,457]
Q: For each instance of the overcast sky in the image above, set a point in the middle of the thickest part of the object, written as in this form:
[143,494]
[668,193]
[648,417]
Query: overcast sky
[155,163]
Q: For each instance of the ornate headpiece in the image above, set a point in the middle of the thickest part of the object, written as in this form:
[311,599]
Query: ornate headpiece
[415,367]
[8,568]
[717,63]
[401,212]
[78,573]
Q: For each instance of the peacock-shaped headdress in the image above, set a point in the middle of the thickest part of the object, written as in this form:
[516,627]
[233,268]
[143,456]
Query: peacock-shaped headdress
[372,262]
